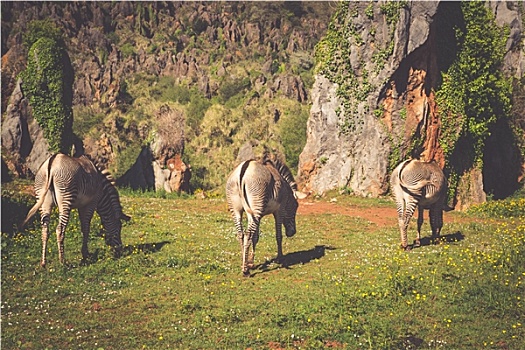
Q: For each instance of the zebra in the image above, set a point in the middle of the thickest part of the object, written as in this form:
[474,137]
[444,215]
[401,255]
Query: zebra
[72,183]
[260,188]
[422,184]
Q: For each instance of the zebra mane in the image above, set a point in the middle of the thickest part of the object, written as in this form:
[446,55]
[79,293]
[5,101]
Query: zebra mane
[105,172]
[109,185]
[283,170]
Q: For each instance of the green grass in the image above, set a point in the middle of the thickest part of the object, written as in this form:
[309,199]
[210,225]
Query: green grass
[344,283]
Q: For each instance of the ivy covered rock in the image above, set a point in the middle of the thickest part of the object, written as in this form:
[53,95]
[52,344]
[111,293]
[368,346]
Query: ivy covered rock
[428,80]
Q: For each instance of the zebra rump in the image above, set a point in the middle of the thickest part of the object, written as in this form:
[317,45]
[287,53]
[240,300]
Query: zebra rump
[415,183]
[260,188]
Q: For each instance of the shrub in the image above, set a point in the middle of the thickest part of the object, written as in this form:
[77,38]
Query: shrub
[41,29]
[196,109]
[232,87]
[293,134]
[127,50]
[47,85]
[85,120]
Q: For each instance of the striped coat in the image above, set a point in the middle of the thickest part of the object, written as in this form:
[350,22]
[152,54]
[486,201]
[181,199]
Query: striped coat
[260,189]
[70,183]
[423,185]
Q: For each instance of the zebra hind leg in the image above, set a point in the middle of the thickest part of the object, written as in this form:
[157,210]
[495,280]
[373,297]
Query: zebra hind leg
[404,221]
[420,213]
[63,219]
[247,257]
[44,220]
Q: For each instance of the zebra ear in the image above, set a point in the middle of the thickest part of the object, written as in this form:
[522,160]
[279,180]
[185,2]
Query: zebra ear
[299,195]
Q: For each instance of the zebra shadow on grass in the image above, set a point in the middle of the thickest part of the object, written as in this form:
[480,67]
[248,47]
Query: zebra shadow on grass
[291,259]
[449,238]
[146,248]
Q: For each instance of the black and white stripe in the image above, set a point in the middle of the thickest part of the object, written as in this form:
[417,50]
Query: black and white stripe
[70,183]
[423,185]
[260,188]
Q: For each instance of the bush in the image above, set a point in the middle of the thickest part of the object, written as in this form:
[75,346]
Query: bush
[502,209]
[47,85]
[293,134]
[196,109]
[41,29]
[85,120]
[166,90]
[232,87]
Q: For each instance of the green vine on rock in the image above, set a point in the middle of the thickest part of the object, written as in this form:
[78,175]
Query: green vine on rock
[333,54]
[44,82]
[474,93]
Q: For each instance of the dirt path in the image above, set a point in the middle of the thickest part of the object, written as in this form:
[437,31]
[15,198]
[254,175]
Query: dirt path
[380,216]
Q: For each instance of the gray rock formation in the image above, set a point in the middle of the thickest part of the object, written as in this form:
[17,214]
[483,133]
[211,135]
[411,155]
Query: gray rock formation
[359,160]
[23,142]
[331,160]
[400,103]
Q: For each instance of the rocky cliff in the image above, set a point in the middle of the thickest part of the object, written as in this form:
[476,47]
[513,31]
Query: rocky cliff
[367,118]
[127,56]
[164,87]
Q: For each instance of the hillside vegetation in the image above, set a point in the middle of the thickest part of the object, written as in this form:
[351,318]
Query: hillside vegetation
[234,72]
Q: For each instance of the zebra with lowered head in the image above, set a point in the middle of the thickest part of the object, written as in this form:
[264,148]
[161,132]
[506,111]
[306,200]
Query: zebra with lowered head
[72,183]
[260,188]
[415,183]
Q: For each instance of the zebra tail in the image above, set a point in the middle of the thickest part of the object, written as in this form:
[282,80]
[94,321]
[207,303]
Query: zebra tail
[39,203]
[242,188]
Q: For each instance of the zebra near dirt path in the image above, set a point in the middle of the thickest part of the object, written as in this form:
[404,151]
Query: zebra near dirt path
[72,183]
[260,188]
[423,185]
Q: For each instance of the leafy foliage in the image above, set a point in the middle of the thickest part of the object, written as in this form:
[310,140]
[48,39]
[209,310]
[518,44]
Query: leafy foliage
[41,29]
[293,134]
[474,93]
[333,54]
[48,86]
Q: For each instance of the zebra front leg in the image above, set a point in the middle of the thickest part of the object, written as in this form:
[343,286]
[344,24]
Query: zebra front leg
[85,216]
[44,220]
[420,213]
[436,222]
[279,235]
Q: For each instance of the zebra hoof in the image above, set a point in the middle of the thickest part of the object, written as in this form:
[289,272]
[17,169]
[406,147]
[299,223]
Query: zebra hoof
[417,243]
[406,248]
[246,274]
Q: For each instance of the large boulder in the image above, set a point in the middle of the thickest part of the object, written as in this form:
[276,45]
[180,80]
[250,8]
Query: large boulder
[24,147]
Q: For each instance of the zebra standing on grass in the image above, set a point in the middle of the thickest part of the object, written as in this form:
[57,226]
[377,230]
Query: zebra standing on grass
[76,183]
[260,188]
[422,184]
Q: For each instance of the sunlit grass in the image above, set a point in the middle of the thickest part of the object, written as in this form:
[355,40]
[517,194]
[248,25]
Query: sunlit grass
[344,283]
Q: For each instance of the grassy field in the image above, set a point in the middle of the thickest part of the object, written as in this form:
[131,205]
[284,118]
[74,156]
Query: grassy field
[344,282]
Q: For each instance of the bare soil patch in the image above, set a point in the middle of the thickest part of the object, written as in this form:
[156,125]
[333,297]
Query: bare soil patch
[380,216]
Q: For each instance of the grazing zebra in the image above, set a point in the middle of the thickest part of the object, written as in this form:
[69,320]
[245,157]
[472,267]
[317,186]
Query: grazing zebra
[260,188]
[422,184]
[76,183]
